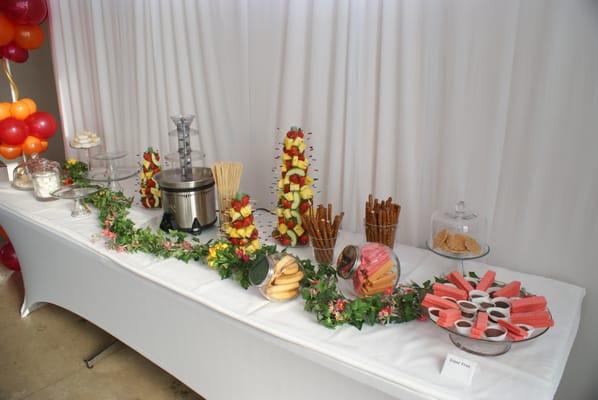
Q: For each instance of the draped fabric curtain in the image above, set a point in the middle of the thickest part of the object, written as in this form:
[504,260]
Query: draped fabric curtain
[428,101]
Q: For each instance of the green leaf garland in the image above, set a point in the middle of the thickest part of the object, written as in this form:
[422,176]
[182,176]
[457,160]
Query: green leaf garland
[319,286]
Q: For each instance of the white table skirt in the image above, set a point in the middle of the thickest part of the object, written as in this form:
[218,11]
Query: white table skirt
[226,342]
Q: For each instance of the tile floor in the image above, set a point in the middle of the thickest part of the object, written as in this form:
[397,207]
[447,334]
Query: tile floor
[41,357]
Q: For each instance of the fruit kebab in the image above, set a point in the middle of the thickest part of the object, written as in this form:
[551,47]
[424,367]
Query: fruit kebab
[294,191]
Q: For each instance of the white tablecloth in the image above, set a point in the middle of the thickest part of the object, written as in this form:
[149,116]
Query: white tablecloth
[402,360]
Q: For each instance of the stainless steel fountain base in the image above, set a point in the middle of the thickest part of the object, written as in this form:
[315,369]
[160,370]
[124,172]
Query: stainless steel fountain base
[189,210]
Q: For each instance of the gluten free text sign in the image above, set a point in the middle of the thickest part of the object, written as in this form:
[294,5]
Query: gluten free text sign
[459,370]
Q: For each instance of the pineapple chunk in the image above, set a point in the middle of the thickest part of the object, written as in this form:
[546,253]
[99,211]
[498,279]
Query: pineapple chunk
[287,213]
[289,196]
[301,147]
[302,164]
[280,184]
[146,164]
[285,156]
[287,180]
[309,180]
[246,211]
[279,212]
[295,161]
[282,228]
[306,192]
[297,141]
[295,187]
[234,215]
[299,230]
[288,143]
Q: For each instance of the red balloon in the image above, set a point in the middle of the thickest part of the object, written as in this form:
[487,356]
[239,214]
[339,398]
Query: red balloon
[32,12]
[15,53]
[13,131]
[8,257]
[41,124]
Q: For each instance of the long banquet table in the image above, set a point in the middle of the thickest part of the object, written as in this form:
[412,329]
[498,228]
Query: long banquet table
[229,343]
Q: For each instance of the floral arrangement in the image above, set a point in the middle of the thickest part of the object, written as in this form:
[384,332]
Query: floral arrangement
[319,285]
[74,172]
[148,186]
[241,230]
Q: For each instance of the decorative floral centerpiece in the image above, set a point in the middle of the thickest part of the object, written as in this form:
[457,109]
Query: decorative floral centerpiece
[148,186]
[241,230]
[74,172]
[294,190]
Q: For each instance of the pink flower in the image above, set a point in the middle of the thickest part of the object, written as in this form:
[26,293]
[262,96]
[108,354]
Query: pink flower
[388,291]
[187,245]
[168,245]
[108,234]
[120,249]
[384,312]
[340,304]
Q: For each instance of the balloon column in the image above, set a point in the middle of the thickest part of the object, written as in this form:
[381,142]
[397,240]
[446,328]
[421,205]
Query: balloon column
[23,129]
[19,28]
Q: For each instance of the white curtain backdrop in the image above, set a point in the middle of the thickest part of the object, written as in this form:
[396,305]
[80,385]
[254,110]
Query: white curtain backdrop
[430,101]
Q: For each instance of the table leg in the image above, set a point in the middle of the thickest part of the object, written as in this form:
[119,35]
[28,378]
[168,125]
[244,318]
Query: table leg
[105,352]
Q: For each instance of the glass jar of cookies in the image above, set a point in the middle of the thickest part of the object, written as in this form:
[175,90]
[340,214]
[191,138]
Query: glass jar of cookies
[367,270]
[458,233]
[277,276]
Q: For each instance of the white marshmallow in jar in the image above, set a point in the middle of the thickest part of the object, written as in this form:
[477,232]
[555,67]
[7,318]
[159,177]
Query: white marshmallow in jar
[46,179]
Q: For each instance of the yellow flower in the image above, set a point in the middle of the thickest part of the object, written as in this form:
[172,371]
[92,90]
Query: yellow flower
[213,253]
[71,161]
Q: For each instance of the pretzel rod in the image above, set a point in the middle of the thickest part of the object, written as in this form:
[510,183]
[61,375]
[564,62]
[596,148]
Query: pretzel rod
[322,228]
[381,219]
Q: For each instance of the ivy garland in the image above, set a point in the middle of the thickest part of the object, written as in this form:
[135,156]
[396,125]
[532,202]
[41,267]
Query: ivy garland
[318,287]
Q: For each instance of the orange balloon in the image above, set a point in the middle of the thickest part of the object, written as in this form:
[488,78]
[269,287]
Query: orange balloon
[32,145]
[10,152]
[19,110]
[7,30]
[29,36]
[31,104]
[44,145]
[4,110]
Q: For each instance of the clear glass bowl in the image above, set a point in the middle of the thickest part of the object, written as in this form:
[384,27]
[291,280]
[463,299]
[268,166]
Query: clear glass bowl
[277,276]
[367,269]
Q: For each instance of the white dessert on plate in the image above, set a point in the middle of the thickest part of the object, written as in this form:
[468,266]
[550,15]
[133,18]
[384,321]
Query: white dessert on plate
[85,139]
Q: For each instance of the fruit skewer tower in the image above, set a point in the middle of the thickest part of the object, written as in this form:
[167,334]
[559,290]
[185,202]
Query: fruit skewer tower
[294,190]
[148,186]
